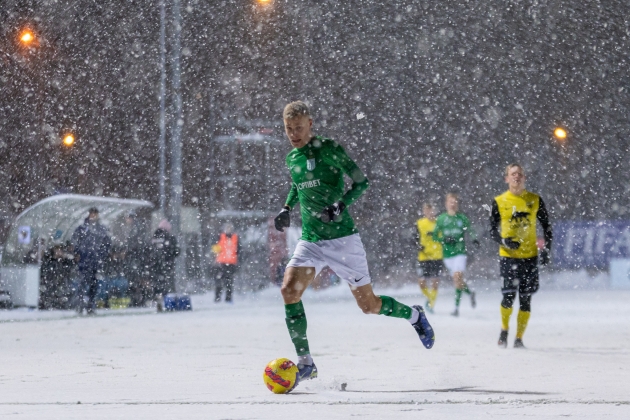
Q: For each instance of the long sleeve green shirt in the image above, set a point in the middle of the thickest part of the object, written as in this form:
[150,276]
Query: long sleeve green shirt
[454,227]
[317,171]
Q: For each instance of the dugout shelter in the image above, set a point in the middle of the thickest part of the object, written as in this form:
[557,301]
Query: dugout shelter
[50,221]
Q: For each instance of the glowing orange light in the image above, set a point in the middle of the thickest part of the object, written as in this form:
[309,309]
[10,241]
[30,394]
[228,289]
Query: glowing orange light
[27,37]
[68,140]
[560,133]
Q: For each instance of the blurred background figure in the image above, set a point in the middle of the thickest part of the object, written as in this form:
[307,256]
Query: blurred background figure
[114,287]
[227,250]
[137,261]
[91,247]
[164,252]
[55,279]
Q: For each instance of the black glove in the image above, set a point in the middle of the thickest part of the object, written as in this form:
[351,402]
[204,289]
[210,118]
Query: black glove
[283,219]
[476,243]
[543,257]
[509,243]
[332,212]
[448,240]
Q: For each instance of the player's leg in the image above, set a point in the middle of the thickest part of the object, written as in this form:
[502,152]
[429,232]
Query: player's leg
[435,283]
[424,288]
[296,281]
[510,283]
[346,257]
[528,273]
[421,271]
[429,271]
[463,286]
[458,282]
[388,306]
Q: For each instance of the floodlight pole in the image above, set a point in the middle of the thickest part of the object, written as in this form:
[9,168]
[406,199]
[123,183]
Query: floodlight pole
[176,142]
[162,139]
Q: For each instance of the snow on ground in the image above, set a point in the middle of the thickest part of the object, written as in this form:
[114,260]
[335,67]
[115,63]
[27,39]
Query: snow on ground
[208,363]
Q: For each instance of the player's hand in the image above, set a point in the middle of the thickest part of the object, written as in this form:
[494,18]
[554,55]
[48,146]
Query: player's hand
[421,248]
[543,257]
[448,240]
[476,243]
[510,243]
[283,219]
[332,212]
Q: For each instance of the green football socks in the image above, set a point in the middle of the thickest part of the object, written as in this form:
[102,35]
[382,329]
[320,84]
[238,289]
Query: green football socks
[458,294]
[391,307]
[296,323]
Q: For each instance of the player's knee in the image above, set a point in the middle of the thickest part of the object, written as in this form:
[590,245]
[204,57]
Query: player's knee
[288,292]
[508,300]
[525,303]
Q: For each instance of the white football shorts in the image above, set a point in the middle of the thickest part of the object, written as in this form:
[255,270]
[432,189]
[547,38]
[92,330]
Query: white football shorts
[456,264]
[345,256]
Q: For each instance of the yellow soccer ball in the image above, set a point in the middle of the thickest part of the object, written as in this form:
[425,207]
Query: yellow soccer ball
[280,376]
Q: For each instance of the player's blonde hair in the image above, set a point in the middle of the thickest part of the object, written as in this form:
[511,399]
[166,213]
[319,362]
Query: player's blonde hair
[513,165]
[296,109]
[452,195]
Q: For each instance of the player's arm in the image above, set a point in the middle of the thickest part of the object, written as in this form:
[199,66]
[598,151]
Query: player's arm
[418,238]
[283,219]
[338,157]
[437,233]
[292,198]
[472,234]
[360,182]
[543,217]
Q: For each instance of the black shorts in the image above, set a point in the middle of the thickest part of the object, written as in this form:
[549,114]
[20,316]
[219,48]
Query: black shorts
[519,274]
[430,269]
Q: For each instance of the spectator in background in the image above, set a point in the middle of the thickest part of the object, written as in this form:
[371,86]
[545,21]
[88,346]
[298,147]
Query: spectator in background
[227,250]
[91,247]
[56,270]
[115,286]
[164,251]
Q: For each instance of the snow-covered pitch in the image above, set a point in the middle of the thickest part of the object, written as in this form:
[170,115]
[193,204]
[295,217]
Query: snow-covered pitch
[208,364]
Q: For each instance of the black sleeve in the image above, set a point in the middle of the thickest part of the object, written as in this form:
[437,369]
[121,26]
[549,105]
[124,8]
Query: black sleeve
[543,218]
[495,222]
[416,236]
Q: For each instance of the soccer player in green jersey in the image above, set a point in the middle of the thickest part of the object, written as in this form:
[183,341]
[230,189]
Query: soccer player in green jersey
[450,229]
[329,238]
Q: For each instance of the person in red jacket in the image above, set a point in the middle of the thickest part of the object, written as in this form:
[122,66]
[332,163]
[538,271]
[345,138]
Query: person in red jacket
[227,251]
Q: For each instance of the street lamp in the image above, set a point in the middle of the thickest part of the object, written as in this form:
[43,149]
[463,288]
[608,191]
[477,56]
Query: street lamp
[28,39]
[68,140]
[560,133]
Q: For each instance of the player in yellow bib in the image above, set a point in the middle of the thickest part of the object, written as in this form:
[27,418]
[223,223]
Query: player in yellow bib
[513,225]
[429,256]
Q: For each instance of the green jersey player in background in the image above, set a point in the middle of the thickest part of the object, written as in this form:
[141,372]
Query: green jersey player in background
[451,228]
[329,238]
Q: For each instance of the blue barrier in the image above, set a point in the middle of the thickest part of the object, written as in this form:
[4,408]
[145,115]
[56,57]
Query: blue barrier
[581,244]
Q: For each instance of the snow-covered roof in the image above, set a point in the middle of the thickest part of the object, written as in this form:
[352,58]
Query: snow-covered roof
[247,138]
[55,219]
